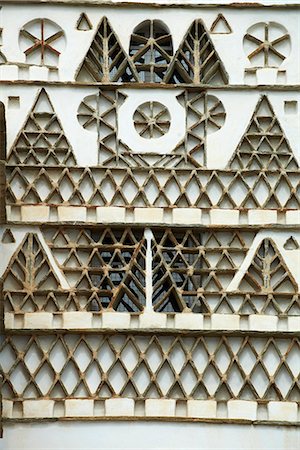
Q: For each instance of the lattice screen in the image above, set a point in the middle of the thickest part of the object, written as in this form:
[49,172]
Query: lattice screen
[149,216]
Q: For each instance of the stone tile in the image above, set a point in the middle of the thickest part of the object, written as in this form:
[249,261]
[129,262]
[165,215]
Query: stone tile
[38,320]
[225,322]
[160,407]
[202,409]
[153,320]
[35,213]
[189,321]
[79,408]
[115,320]
[224,217]
[111,214]
[242,409]
[7,409]
[38,73]
[77,320]
[293,323]
[182,216]
[119,407]
[9,320]
[71,213]
[293,217]
[38,408]
[263,322]
[283,411]
[262,217]
[149,215]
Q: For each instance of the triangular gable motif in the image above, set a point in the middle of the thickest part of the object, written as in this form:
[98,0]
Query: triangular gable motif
[106,60]
[196,60]
[83,23]
[268,272]
[220,26]
[29,269]
[42,139]
[264,144]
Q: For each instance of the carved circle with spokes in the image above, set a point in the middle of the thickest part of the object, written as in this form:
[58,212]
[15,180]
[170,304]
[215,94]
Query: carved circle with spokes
[42,41]
[267,44]
[152,120]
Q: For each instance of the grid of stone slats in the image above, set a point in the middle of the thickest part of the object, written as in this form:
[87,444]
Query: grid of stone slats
[150,366]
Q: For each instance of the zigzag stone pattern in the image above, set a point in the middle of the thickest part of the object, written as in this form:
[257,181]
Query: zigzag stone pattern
[144,367]
[151,268]
[188,271]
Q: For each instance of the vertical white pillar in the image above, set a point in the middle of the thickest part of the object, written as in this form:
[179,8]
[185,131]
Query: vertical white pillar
[149,287]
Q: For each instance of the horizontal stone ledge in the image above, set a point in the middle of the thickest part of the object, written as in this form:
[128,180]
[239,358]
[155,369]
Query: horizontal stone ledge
[14,80]
[284,412]
[83,320]
[175,216]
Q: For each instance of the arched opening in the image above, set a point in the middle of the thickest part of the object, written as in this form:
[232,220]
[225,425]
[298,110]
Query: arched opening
[151,50]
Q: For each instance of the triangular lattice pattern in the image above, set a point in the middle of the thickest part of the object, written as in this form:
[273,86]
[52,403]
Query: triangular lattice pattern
[150,366]
[29,268]
[110,264]
[42,140]
[188,264]
[264,145]
[268,272]
[106,61]
[196,60]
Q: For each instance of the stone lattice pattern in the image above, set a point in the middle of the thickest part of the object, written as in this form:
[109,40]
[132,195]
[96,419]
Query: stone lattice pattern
[196,60]
[264,145]
[106,60]
[42,140]
[154,187]
[99,114]
[150,57]
[151,120]
[145,366]
[105,269]
[151,50]
[43,42]
[252,179]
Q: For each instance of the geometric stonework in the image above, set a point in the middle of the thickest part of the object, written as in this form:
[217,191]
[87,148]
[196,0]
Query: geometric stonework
[152,271]
[267,44]
[106,61]
[220,25]
[199,188]
[150,366]
[196,60]
[264,145]
[83,23]
[268,272]
[190,265]
[151,50]
[105,266]
[205,114]
[29,269]
[151,120]
[41,140]
[99,113]
[42,41]
[191,270]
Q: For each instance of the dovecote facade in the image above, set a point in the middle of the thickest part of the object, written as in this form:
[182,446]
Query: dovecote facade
[150,196]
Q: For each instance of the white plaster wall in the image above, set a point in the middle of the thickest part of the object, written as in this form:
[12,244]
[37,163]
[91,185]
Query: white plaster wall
[146,436]
[221,144]
[123,21]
